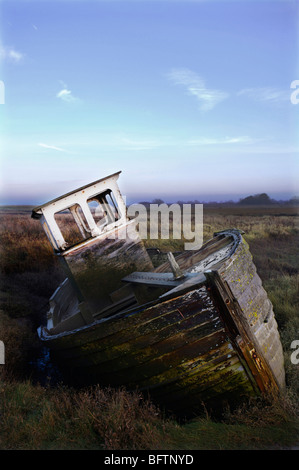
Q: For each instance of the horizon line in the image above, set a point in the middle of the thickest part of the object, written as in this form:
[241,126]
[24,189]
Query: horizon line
[158,200]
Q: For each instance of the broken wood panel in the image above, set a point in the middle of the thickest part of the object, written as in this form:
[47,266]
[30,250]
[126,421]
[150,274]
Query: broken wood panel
[189,258]
[129,320]
[178,382]
[176,331]
[160,328]
[243,341]
[256,310]
[192,371]
[127,355]
[198,374]
[220,378]
[137,368]
[246,286]
[151,320]
[181,322]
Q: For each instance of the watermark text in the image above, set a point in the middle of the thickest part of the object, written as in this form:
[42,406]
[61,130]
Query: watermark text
[295,94]
[2,353]
[163,221]
[295,354]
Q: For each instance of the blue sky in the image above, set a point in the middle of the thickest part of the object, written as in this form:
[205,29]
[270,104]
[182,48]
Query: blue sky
[190,99]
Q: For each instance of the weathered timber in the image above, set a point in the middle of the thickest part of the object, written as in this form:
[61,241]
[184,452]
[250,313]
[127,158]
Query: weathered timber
[197,328]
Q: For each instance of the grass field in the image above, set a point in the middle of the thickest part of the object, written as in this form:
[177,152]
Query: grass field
[35,416]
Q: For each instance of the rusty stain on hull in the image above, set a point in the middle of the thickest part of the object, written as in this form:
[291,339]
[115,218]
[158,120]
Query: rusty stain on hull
[197,328]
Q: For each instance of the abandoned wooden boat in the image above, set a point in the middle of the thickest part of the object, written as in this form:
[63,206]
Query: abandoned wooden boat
[199,328]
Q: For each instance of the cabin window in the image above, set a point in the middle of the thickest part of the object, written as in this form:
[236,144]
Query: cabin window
[73,225]
[104,209]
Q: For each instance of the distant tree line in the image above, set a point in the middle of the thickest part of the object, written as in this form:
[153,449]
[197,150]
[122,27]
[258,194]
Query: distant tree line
[263,200]
[256,200]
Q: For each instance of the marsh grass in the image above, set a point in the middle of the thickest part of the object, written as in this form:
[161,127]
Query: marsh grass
[57,417]
[34,417]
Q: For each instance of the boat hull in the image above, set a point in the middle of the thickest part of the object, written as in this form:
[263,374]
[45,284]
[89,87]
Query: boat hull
[210,343]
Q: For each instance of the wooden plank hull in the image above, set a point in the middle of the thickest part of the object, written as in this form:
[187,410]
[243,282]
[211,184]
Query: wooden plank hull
[204,343]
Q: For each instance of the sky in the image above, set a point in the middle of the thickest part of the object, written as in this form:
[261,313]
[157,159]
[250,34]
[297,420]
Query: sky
[189,99]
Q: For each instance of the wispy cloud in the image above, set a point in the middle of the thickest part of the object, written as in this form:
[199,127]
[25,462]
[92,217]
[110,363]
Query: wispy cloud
[10,54]
[52,147]
[269,94]
[195,85]
[225,141]
[66,95]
